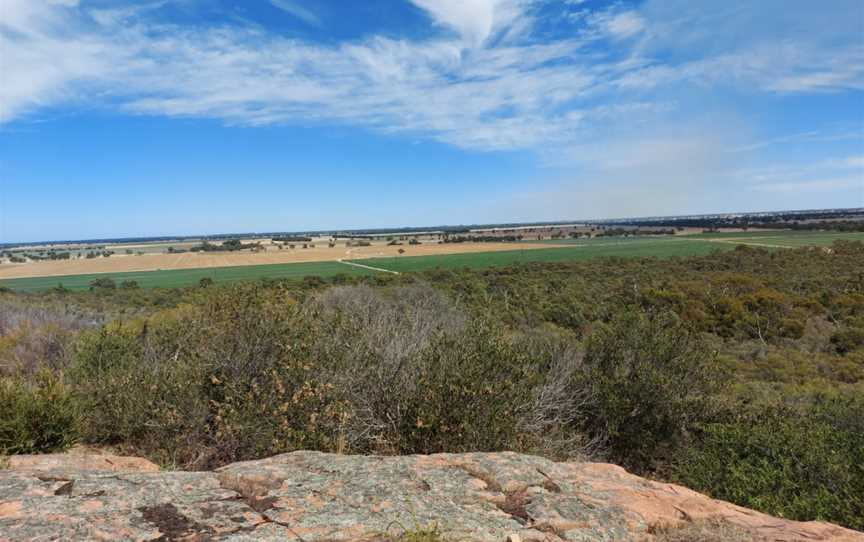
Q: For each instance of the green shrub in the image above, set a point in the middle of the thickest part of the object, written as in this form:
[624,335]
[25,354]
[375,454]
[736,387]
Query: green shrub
[849,337]
[802,463]
[36,416]
[199,387]
[103,284]
[649,380]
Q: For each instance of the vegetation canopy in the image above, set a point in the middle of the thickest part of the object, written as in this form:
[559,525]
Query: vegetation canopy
[738,373]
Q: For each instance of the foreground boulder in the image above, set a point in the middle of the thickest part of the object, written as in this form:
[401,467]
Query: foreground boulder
[316,497]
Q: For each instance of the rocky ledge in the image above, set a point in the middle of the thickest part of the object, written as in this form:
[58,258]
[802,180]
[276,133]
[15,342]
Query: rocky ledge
[310,496]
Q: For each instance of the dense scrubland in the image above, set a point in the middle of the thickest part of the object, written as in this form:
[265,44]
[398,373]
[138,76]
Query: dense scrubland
[739,374]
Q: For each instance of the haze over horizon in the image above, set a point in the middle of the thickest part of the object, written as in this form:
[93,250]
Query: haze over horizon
[396,228]
[139,119]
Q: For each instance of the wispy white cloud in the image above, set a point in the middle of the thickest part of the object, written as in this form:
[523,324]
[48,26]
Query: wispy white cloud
[484,82]
[774,46]
[809,136]
[292,7]
[853,162]
[827,175]
[813,185]
[756,145]
[42,62]
[621,25]
[474,20]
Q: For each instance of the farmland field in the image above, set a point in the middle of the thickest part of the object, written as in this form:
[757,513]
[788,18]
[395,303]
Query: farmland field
[785,238]
[586,250]
[558,251]
[782,238]
[176,278]
[630,247]
[320,252]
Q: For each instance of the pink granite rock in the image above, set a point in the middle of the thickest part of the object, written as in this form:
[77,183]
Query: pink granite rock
[317,497]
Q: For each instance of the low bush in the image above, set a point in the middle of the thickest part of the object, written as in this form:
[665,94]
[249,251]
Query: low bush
[36,415]
[433,380]
[103,284]
[649,380]
[36,334]
[802,460]
[198,387]
[247,374]
[849,337]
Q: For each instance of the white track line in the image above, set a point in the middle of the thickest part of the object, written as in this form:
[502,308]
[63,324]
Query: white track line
[369,267]
[729,241]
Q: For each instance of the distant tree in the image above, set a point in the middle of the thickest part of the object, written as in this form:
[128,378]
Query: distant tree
[129,285]
[291,238]
[205,282]
[103,284]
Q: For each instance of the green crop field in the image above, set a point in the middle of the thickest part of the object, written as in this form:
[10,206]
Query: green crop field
[176,278]
[628,247]
[664,248]
[783,238]
[564,250]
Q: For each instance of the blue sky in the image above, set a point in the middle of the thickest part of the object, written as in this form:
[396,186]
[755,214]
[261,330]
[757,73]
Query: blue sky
[205,116]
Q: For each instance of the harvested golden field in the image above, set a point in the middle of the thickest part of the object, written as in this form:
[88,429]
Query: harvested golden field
[194,260]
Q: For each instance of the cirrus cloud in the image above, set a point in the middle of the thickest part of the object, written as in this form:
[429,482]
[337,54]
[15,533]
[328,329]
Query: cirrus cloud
[492,79]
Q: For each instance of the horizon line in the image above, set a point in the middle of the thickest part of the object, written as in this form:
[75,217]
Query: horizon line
[427,229]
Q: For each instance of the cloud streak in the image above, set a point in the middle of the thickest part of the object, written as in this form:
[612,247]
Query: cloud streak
[293,8]
[484,82]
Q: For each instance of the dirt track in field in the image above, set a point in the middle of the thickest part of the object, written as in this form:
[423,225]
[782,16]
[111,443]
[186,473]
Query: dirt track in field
[195,260]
